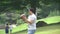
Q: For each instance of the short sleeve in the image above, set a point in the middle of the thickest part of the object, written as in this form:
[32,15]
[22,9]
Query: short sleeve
[31,18]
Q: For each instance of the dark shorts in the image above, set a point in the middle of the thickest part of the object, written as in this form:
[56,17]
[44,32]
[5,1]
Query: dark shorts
[10,30]
[6,31]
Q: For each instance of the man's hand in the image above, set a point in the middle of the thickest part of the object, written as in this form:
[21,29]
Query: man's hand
[23,17]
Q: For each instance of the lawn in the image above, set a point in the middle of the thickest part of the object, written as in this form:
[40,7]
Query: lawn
[52,29]
[2,31]
[48,20]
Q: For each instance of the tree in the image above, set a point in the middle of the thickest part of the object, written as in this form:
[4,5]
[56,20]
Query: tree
[6,5]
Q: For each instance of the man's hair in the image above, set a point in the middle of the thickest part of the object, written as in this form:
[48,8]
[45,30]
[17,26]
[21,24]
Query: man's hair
[32,10]
[7,24]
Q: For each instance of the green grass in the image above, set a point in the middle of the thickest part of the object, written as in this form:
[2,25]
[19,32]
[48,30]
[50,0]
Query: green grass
[48,20]
[53,29]
[16,29]
[2,31]
[20,28]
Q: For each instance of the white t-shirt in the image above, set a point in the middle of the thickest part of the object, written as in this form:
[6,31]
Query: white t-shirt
[11,26]
[33,25]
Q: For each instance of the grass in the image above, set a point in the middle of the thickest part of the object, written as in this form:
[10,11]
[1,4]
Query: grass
[20,28]
[16,29]
[48,20]
[2,31]
[52,29]
[57,31]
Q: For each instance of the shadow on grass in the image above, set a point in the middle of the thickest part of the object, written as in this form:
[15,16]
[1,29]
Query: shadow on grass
[42,24]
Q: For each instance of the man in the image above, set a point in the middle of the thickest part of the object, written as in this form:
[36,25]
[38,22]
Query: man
[7,29]
[31,21]
[10,28]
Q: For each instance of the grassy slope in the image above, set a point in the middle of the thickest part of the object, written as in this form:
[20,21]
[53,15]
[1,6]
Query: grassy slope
[20,28]
[47,20]
[50,20]
[24,26]
[53,29]
[2,31]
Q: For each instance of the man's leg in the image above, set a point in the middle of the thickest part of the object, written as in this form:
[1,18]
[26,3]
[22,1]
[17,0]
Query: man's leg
[10,31]
[31,31]
[6,33]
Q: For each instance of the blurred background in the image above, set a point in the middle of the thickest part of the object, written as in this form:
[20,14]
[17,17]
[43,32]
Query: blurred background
[47,12]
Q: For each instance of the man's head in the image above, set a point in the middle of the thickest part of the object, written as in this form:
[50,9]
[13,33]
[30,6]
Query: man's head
[31,11]
[7,24]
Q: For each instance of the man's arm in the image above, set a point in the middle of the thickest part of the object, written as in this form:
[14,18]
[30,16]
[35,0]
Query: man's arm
[28,21]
